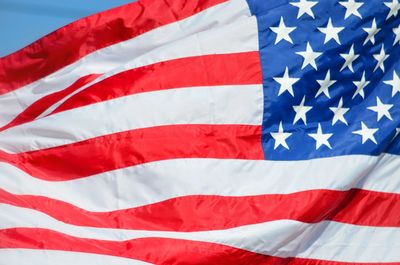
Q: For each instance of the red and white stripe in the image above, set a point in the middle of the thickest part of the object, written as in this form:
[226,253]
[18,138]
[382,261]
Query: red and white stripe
[138,141]
[223,28]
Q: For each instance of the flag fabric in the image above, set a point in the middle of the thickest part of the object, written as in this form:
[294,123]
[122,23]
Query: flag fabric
[205,132]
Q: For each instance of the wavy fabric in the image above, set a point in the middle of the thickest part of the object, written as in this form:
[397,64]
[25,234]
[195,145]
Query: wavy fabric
[201,132]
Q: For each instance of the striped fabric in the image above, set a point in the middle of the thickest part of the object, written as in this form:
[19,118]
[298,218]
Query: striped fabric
[135,136]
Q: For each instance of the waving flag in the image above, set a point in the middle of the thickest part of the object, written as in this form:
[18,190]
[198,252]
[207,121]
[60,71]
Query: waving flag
[205,132]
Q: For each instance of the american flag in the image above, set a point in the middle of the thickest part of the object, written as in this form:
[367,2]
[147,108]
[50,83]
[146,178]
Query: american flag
[205,132]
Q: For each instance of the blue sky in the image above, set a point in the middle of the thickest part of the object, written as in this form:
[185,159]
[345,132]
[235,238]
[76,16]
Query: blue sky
[24,21]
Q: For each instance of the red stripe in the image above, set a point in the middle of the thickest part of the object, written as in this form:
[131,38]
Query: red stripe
[192,213]
[209,70]
[89,34]
[154,250]
[119,150]
[37,108]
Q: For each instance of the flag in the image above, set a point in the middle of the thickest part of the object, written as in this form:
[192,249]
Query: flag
[205,132]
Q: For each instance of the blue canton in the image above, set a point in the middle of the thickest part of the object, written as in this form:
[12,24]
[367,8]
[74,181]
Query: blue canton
[331,74]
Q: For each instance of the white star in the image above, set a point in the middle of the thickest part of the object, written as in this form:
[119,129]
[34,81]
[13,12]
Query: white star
[366,133]
[309,57]
[286,82]
[280,137]
[282,32]
[397,132]
[351,8]
[325,84]
[305,7]
[396,32]
[381,57]
[372,31]
[394,8]
[395,83]
[321,138]
[360,86]
[381,109]
[301,111]
[331,32]
[339,113]
[350,58]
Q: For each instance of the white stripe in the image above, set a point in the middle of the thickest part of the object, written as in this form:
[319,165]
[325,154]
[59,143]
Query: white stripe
[56,257]
[197,105]
[283,238]
[158,181]
[225,28]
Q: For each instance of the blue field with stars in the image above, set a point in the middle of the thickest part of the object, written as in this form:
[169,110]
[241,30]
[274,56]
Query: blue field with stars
[331,73]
